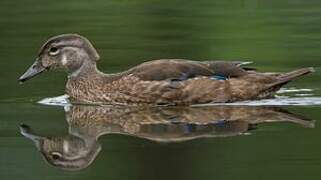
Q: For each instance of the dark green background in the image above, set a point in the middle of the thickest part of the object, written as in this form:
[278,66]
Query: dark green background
[276,35]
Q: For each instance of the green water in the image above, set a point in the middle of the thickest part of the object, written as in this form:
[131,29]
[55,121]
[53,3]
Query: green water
[276,35]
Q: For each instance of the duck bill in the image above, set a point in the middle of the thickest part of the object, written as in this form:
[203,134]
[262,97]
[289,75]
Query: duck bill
[35,69]
[25,131]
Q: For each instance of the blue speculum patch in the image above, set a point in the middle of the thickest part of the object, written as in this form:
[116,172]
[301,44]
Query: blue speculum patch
[219,77]
[189,128]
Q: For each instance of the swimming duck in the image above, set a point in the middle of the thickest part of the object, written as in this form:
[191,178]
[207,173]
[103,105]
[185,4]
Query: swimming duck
[158,82]
[86,124]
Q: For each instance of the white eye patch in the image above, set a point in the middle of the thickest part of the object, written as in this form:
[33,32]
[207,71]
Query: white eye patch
[54,51]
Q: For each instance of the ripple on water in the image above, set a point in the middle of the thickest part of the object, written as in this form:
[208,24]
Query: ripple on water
[299,98]
[293,90]
[56,101]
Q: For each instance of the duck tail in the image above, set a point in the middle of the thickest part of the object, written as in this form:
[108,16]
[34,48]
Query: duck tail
[284,78]
[285,115]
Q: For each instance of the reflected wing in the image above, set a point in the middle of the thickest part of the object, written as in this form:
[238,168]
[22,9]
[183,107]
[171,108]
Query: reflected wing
[179,69]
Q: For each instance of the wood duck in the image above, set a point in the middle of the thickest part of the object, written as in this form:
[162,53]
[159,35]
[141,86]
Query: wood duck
[157,82]
[86,124]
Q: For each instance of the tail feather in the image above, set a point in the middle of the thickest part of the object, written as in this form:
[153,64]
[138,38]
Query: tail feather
[283,79]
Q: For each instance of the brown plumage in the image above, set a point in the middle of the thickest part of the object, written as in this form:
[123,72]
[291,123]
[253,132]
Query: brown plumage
[158,82]
[86,124]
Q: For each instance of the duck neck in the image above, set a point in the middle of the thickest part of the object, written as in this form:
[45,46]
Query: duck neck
[87,69]
[86,84]
[82,80]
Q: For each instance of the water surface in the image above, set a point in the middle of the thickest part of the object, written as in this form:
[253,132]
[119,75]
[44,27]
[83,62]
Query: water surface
[275,35]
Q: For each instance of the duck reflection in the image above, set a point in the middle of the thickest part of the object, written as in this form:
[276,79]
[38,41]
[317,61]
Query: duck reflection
[80,147]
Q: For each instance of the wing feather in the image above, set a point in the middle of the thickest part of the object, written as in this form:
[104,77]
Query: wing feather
[180,69]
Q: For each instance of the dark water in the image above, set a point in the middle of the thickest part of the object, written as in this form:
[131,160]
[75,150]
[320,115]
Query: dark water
[257,142]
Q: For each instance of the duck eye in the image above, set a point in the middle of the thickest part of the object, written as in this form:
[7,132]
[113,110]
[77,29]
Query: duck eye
[53,51]
[56,155]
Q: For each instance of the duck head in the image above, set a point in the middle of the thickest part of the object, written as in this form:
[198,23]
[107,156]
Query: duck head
[69,152]
[70,52]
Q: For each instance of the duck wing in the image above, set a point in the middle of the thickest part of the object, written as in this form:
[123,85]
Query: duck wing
[228,69]
[179,69]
